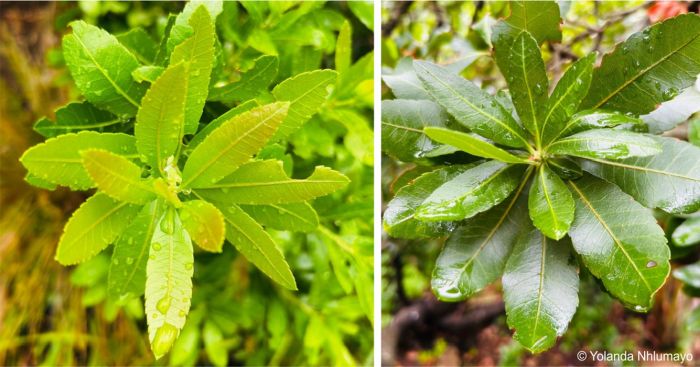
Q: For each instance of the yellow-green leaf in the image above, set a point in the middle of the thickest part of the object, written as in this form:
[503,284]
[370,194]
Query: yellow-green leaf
[204,223]
[117,177]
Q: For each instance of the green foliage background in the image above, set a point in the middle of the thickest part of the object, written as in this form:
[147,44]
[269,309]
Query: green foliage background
[457,33]
[53,315]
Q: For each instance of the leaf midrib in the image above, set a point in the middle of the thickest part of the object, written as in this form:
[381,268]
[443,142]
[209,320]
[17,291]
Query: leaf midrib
[230,146]
[640,168]
[144,246]
[610,232]
[270,183]
[642,72]
[529,92]
[545,190]
[99,221]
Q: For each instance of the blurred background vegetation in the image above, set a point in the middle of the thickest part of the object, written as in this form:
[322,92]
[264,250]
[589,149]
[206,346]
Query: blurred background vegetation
[51,315]
[419,330]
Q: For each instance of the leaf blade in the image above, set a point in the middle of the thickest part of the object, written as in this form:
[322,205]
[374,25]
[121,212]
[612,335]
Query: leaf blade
[606,143]
[551,205]
[471,144]
[116,176]
[204,223]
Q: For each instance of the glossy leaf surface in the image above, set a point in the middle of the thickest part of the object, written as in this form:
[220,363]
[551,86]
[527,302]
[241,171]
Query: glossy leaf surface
[251,83]
[117,177]
[540,290]
[472,144]
[595,119]
[669,180]
[93,226]
[231,144]
[474,191]
[58,160]
[77,116]
[688,233]
[476,252]
[470,106]
[619,242]
[606,143]
[265,182]
[204,223]
[299,217]
[169,273]
[550,204]
[648,68]
[101,68]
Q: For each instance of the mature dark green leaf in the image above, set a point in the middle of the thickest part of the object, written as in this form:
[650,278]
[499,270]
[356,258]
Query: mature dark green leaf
[594,119]
[671,113]
[619,241]
[140,44]
[169,271]
[476,252]
[251,84]
[58,160]
[101,68]
[540,289]
[669,180]
[472,144]
[551,204]
[399,216]
[475,190]
[299,217]
[606,143]
[402,127]
[117,177]
[471,106]
[688,233]
[197,55]
[404,82]
[96,223]
[566,97]
[305,93]
[77,116]
[648,68]
[127,270]
[232,144]
[565,167]
[540,18]
[527,81]
[265,182]
[159,124]
[256,245]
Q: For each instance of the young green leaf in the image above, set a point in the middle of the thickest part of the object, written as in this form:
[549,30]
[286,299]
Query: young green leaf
[305,93]
[471,106]
[551,204]
[606,143]
[650,67]
[58,160]
[343,48]
[476,252]
[565,98]
[474,191]
[77,116]
[540,290]
[251,84]
[402,127]
[117,177]
[231,144]
[148,73]
[197,55]
[565,167]
[539,18]
[127,270]
[595,119]
[619,241]
[688,233]
[256,245]
[527,81]
[96,224]
[204,223]
[299,217]
[140,44]
[169,273]
[399,216]
[265,182]
[213,125]
[669,180]
[158,128]
[472,144]
[101,68]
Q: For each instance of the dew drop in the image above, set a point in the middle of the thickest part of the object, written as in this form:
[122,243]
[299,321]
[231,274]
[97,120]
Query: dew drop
[129,260]
[155,315]
[189,266]
[651,264]
[157,246]
[181,313]
[116,261]
[163,305]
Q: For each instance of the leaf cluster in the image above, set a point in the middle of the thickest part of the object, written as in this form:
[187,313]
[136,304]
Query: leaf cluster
[552,181]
